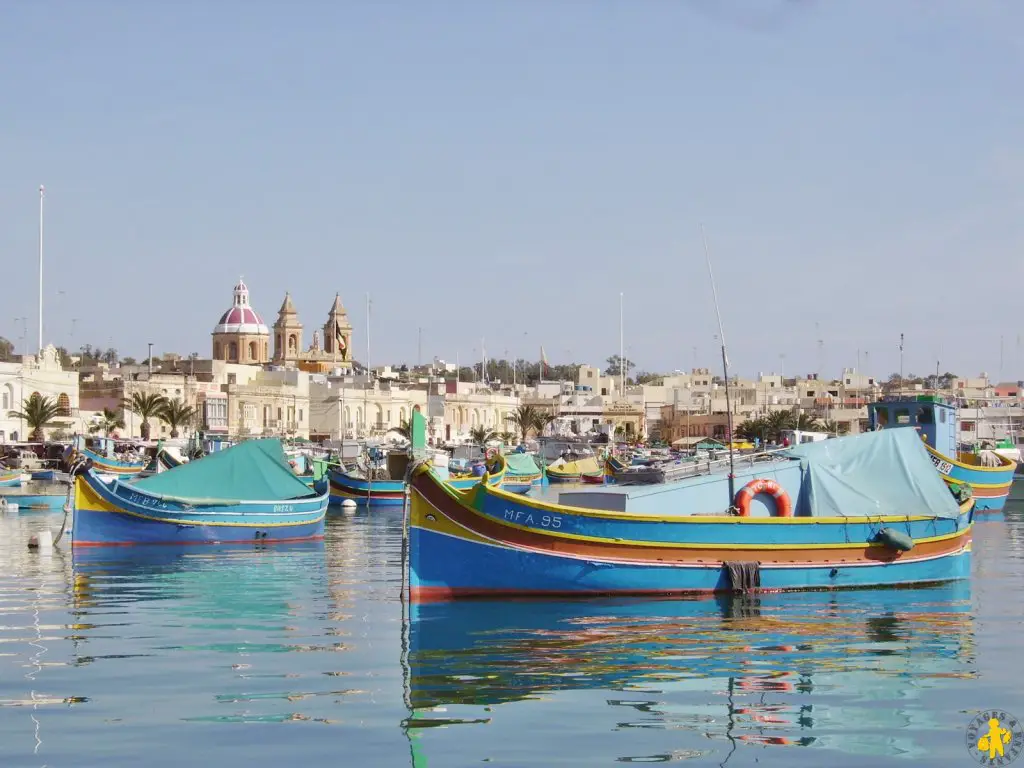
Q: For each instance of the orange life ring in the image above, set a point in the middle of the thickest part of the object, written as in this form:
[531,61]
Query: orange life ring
[490,454]
[783,504]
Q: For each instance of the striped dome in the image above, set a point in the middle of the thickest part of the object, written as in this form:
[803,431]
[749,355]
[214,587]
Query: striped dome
[241,317]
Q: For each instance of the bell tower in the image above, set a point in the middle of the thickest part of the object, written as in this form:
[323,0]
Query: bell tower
[338,333]
[287,333]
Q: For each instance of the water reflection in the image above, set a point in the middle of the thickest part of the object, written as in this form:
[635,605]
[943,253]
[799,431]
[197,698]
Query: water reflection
[763,671]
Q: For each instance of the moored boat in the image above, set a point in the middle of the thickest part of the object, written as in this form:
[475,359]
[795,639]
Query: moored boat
[245,493]
[562,471]
[349,484]
[105,464]
[10,478]
[869,511]
[36,497]
[934,419]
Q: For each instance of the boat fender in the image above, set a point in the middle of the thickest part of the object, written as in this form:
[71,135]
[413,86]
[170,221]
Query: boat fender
[894,539]
[783,504]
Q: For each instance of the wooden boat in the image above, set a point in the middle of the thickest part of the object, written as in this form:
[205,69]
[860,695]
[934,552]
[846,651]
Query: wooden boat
[34,497]
[572,471]
[345,484]
[108,466]
[10,478]
[870,511]
[521,473]
[934,419]
[242,494]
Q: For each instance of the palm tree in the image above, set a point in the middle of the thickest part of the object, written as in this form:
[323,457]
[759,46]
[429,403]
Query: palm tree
[146,406]
[38,413]
[542,421]
[808,423]
[524,419]
[482,435]
[404,429]
[507,437]
[109,421]
[176,414]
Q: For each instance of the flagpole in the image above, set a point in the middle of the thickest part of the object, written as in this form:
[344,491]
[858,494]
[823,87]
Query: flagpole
[622,353]
[42,194]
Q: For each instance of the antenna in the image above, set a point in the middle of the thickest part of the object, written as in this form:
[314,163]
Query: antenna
[821,350]
[725,368]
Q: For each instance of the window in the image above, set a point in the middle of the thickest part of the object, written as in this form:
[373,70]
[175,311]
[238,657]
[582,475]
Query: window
[902,415]
[63,404]
[924,415]
[6,404]
[233,351]
[253,351]
[882,415]
[301,417]
[942,416]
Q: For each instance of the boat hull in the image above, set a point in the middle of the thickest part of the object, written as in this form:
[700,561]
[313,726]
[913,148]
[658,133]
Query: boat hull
[119,514]
[490,543]
[10,479]
[36,502]
[106,466]
[990,486]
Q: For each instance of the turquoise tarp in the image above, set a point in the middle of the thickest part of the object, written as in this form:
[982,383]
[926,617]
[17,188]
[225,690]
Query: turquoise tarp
[255,470]
[879,473]
[521,464]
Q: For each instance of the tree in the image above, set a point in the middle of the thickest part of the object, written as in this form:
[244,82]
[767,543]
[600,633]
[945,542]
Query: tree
[6,350]
[645,377]
[110,356]
[109,421]
[38,413]
[482,435]
[404,429]
[835,429]
[615,365]
[507,437]
[542,421]
[176,414]
[128,361]
[146,406]
[524,419]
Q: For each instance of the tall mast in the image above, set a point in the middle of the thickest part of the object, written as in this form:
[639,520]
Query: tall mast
[622,353]
[725,368]
[42,194]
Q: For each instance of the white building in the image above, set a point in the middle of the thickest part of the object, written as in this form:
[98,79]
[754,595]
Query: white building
[42,374]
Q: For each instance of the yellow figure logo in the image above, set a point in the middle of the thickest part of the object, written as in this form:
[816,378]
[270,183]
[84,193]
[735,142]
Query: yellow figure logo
[995,738]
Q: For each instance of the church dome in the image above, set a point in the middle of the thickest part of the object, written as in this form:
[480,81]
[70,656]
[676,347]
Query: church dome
[241,317]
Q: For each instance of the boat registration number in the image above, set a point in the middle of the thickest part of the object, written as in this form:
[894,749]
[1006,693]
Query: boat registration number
[283,508]
[944,467]
[535,520]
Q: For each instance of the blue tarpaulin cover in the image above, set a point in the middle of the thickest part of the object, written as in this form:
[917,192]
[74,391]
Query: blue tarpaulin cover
[888,472]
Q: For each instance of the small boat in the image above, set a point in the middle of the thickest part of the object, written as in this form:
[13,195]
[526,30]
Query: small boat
[385,492]
[870,511]
[242,494]
[10,478]
[934,419]
[593,478]
[105,464]
[562,471]
[36,497]
[521,473]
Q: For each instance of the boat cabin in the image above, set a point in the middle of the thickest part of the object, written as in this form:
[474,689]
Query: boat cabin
[931,415]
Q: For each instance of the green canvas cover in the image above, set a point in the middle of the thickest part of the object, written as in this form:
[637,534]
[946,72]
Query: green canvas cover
[418,431]
[255,470]
[521,464]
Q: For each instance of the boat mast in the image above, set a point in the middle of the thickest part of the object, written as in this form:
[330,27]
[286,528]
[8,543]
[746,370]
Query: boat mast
[622,354]
[42,194]
[725,368]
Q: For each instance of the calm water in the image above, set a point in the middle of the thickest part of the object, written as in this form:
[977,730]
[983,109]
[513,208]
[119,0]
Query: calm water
[301,655]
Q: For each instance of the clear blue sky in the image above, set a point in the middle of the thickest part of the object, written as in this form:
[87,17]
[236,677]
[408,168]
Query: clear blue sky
[505,168]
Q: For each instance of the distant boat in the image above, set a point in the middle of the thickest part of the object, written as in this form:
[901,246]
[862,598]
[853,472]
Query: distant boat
[934,420]
[10,478]
[34,497]
[109,466]
[345,484]
[562,471]
[521,473]
[244,493]
[870,511]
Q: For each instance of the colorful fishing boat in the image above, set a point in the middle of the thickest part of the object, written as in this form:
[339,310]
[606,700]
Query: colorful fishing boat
[573,471]
[110,466]
[934,419]
[869,511]
[10,478]
[348,484]
[243,494]
[34,497]
[521,473]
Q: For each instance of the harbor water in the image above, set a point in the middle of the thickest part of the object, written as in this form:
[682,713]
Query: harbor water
[305,654]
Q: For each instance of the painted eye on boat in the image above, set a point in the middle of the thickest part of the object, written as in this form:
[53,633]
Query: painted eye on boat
[431,518]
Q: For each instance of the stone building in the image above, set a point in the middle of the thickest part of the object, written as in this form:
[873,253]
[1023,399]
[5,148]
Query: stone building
[326,356]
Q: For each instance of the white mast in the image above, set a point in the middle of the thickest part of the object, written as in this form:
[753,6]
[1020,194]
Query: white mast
[622,353]
[42,194]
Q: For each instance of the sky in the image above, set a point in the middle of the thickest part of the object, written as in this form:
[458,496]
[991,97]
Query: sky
[503,170]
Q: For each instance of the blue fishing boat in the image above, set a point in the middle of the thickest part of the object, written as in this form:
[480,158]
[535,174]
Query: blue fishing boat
[243,494]
[521,473]
[934,419]
[43,475]
[36,497]
[352,484]
[10,478]
[865,510]
[104,463]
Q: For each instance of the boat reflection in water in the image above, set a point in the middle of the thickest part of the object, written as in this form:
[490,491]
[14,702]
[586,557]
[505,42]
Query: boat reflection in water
[823,670]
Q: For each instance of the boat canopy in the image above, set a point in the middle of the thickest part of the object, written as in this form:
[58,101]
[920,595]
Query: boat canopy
[521,464]
[254,470]
[888,472]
